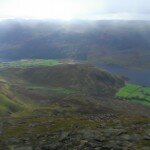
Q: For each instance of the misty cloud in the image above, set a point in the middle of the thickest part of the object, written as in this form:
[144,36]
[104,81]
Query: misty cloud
[82,9]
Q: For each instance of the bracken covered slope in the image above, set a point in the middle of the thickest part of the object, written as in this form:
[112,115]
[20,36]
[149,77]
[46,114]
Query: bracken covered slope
[81,77]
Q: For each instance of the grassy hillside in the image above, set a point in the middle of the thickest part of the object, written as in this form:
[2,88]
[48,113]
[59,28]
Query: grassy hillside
[135,93]
[68,78]
[8,106]
[9,102]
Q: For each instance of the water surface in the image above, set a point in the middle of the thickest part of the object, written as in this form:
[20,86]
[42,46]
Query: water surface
[141,77]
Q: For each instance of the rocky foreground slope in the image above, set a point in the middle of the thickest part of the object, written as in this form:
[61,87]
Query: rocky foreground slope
[70,107]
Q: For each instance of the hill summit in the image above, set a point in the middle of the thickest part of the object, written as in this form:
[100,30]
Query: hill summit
[82,77]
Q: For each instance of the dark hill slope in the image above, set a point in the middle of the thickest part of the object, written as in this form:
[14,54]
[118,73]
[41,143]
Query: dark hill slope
[81,77]
[124,43]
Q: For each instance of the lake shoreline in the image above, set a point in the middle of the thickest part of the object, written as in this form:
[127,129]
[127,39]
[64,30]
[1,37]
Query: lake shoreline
[141,77]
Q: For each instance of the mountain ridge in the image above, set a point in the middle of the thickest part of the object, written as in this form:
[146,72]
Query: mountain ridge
[111,42]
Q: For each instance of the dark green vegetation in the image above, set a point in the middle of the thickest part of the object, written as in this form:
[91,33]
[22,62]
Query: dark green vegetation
[124,43]
[67,106]
[135,93]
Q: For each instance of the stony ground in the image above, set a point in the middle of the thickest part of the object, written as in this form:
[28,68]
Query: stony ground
[66,119]
[54,129]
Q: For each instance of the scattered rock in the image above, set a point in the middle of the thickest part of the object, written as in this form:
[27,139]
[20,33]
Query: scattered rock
[146,137]
[126,137]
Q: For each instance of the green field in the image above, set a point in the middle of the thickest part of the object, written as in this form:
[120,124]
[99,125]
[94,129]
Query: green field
[29,63]
[135,93]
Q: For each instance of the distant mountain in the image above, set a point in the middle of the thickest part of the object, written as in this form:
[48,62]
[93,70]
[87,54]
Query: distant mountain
[125,43]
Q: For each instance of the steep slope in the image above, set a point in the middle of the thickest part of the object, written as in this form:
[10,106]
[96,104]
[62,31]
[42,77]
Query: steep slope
[8,106]
[125,43]
[8,102]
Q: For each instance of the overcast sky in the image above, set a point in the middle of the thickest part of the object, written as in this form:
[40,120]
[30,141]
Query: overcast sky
[76,9]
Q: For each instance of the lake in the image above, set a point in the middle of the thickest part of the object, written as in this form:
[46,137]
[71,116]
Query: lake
[141,77]
[4,60]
